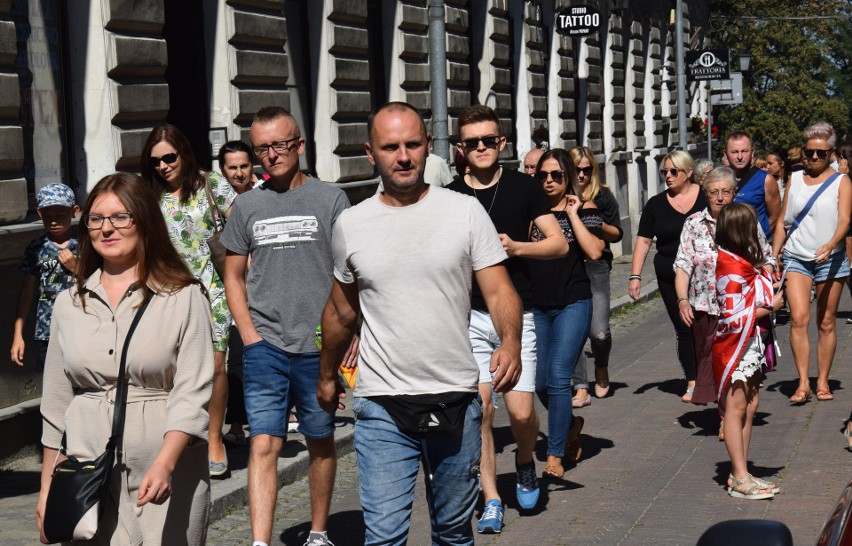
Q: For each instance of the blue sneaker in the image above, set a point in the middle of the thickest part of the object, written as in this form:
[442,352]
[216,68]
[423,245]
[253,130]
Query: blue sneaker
[491,522]
[527,489]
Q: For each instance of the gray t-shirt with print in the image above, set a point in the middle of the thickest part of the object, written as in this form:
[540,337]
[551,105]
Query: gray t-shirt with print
[288,236]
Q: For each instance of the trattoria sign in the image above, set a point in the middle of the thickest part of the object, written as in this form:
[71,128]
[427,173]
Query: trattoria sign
[578,21]
[708,64]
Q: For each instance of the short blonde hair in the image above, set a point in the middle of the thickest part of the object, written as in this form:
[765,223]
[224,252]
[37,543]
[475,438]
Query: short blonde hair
[680,159]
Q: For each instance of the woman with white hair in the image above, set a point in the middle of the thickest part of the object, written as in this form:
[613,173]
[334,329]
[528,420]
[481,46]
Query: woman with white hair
[816,212]
[695,276]
[663,218]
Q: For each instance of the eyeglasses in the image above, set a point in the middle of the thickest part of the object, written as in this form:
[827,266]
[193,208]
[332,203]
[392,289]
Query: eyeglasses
[669,172]
[555,175]
[717,193]
[807,152]
[587,171]
[118,221]
[168,159]
[529,169]
[487,141]
[279,147]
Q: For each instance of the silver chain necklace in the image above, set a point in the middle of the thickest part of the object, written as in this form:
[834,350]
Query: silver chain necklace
[493,197]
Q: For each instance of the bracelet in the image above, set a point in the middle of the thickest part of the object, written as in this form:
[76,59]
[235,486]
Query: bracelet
[682,299]
[634,278]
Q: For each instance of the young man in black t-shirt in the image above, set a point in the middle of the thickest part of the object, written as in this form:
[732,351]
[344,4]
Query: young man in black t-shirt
[514,201]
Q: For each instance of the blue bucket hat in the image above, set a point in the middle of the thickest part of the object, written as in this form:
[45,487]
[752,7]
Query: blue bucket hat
[56,195]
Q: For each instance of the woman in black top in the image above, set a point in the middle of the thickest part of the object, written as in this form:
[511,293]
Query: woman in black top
[663,218]
[588,182]
[562,305]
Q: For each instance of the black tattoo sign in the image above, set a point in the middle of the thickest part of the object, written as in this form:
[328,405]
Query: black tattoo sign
[578,21]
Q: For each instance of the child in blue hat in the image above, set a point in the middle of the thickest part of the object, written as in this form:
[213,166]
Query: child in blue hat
[48,266]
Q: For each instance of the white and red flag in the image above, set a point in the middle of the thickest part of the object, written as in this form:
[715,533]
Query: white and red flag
[740,289]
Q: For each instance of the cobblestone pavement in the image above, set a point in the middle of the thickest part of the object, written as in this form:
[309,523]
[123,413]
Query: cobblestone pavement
[652,470]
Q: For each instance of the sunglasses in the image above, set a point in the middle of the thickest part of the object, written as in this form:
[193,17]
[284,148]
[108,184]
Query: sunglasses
[807,152]
[487,141]
[556,175]
[587,171]
[168,159]
[669,172]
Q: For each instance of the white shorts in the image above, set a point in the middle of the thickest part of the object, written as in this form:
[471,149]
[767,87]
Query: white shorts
[484,340]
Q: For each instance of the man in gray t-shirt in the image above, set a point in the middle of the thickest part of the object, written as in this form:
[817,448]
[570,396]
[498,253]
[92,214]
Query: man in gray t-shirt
[285,226]
[405,259]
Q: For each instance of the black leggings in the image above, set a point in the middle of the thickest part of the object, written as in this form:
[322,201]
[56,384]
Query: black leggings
[684,340]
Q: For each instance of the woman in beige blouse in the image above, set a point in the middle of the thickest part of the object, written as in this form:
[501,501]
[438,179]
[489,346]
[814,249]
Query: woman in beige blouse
[160,489]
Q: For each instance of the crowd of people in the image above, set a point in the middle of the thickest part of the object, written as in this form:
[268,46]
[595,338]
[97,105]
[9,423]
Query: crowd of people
[504,273]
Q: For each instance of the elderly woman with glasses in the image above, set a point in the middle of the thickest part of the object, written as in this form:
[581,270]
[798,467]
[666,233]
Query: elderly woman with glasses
[814,253]
[193,203]
[663,218]
[695,276]
[562,304]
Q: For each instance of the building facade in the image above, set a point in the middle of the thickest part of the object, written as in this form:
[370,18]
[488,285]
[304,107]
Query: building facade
[84,82]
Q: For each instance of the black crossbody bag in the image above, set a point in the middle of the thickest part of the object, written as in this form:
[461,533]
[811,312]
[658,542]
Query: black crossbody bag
[79,489]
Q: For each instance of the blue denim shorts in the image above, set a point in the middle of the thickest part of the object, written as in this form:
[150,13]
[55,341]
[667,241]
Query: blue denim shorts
[273,382]
[835,267]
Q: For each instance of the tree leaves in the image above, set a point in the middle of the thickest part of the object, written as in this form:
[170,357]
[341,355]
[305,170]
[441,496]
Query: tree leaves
[799,70]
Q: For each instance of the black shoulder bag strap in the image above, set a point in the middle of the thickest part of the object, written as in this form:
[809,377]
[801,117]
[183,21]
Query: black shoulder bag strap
[121,388]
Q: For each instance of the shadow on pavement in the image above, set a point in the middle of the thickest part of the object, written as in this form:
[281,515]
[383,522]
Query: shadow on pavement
[613,388]
[670,386]
[14,483]
[706,421]
[344,528]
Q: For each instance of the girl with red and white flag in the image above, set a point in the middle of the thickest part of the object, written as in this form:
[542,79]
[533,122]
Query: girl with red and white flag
[745,293]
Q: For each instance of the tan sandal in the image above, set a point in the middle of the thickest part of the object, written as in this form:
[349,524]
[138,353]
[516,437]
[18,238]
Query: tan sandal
[761,482]
[747,488]
[553,471]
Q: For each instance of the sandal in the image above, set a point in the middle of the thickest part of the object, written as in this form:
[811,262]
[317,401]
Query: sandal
[800,396]
[825,396]
[573,449]
[748,488]
[761,482]
[687,397]
[553,471]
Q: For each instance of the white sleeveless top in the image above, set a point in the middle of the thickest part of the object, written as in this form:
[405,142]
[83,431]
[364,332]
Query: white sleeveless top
[819,225]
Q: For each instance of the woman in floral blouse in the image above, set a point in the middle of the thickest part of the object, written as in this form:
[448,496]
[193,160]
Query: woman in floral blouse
[695,276]
[170,166]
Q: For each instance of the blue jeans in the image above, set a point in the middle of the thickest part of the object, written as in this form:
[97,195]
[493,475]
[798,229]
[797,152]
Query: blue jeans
[561,334]
[273,382]
[388,461]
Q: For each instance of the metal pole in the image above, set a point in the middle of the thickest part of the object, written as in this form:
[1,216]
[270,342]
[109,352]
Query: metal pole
[710,132]
[681,76]
[438,85]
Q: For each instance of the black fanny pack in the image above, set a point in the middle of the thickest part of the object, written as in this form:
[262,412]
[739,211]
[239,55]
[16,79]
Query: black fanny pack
[427,412]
